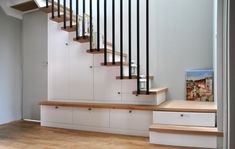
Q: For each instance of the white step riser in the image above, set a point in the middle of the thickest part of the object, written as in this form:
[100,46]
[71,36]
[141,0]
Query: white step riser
[183,140]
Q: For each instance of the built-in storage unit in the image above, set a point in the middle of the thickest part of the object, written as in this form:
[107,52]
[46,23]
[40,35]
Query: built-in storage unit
[185,123]
[110,118]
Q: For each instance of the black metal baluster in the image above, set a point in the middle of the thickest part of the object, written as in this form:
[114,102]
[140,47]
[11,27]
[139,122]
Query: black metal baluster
[47,4]
[58,5]
[71,14]
[113,34]
[91,28]
[98,25]
[147,45]
[121,38]
[129,53]
[53,9]
[77,19]
[83,19]
[105,32]
[138,47]
[64,14]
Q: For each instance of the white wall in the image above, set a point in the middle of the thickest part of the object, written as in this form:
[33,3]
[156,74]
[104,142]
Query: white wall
[10,69]
[184,40]
[34,63]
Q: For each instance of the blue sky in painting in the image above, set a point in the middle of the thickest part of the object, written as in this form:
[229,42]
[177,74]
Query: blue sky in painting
[198,74]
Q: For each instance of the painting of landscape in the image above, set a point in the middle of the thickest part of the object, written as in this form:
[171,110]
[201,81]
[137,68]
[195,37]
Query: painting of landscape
[199,85]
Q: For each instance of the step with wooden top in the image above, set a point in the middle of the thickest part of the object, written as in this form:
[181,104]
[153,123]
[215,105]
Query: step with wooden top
[82,39]
[203,137]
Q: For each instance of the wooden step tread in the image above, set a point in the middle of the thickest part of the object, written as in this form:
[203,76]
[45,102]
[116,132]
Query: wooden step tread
[99,105]
[82,39]
[176,129]
[133,77]
[188,106]
[101,51]
[153,91]
[49,9]
[26,6]
[59,19]
[110,64]
[69,29]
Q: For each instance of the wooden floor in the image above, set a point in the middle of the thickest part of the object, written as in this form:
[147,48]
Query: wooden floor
[29,135]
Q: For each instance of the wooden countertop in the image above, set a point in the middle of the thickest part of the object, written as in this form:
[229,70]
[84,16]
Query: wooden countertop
[170,106]
[187,106]
[99,105]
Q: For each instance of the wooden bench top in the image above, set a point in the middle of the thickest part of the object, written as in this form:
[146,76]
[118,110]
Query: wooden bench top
[169,106]
[99,105]
[188,106]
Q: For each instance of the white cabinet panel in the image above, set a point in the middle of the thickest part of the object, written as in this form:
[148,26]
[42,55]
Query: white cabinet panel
[56,114]
[184,118]
[106,87]
[130,119]
[91,117]
[80,72]
[58,62]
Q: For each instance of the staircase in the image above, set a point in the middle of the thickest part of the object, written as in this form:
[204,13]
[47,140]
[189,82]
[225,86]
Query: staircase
[120,98]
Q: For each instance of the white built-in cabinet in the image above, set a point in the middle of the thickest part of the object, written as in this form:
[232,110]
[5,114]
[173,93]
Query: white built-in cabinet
[76,75]
[120,121]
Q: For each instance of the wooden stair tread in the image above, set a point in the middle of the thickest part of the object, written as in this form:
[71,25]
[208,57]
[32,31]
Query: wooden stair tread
[59,19]
[101,51]
[26,6]
[176,129]
[49,9]
[188,106]
[110,64]
[153,91]
[99,105]
[133,77]
[82,39]
[69,29]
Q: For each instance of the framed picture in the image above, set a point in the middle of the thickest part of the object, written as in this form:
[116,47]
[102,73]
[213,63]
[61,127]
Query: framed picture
[199,85]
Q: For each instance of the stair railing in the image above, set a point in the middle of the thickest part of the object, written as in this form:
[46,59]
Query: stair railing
[113,33]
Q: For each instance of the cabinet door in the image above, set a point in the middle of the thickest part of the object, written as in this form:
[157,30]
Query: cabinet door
[58,55]
[130,119]
[56,114]
[106,87]
[91,117]
[184,118]
[80,72]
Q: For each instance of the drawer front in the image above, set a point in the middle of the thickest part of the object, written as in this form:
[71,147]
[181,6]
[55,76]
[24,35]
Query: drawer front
[130,119]
[184,118]
[56,114]
[91,117]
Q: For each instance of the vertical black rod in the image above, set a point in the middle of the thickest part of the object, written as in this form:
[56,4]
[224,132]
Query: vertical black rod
[121,39]
[53,9]
[76,19]
[98,25]
[113,27]
[58,5]
[71,13]
[83,18]
[64,14]
[91,27]
[47,5]
[105,32]
[130,75]
[138,47]
[147,45]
